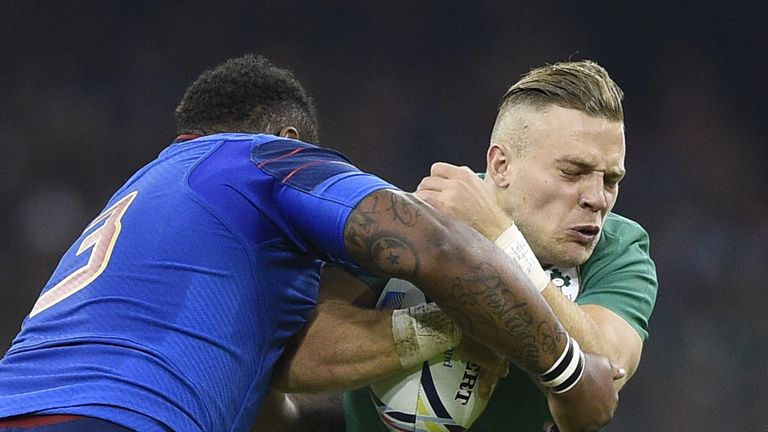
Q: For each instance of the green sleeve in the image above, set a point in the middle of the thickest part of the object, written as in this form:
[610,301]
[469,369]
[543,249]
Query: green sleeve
[620,275]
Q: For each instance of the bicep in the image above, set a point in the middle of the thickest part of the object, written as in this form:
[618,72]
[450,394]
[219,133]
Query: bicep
[393,233]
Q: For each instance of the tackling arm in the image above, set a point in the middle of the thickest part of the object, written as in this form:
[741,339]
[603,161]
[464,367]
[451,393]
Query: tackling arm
[394,234]
[397,235]
[348,344]
[345,346]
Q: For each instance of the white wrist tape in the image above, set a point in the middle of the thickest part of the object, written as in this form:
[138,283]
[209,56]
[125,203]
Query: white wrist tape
[421,332]
[514,244]
[567,371]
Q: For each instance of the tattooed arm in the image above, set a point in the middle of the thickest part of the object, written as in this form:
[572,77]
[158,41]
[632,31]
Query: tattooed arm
[392,233]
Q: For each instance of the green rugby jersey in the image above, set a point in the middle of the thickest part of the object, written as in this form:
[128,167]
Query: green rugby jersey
[619,275]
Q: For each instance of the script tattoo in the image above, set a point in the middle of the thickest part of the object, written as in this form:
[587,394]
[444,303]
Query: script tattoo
[403,211]
[549,338]
[489,302]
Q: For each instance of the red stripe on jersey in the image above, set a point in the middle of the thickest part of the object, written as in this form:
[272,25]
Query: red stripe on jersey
[35,421]
[307,165]
[289,154]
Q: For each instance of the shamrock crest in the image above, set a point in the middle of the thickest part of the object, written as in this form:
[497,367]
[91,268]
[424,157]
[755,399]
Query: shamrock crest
[559,279]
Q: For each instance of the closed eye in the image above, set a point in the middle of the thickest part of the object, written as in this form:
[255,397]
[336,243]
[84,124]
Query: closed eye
[571,173]
[612,181]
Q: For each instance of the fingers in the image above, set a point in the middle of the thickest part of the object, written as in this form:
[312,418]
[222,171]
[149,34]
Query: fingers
[489,377]
[486,381]
[492,365]
[503,369]
[433,183]
[438,192]
[432,198]
[446,170]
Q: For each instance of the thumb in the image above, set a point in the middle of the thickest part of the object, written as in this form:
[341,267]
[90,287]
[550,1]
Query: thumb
[486,383]
[442,169]
[618,372]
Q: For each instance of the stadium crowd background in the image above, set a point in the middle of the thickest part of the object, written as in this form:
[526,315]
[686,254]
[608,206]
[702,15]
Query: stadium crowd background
[87,92]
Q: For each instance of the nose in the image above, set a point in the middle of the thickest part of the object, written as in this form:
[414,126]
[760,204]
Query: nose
[593,194]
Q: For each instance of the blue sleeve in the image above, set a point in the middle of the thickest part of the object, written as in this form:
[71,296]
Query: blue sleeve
[315,190]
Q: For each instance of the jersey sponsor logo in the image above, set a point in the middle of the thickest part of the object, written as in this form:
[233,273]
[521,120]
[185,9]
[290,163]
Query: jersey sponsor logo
[290,161]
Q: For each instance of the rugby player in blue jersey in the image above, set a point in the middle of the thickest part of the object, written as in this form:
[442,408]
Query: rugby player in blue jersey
[170,310]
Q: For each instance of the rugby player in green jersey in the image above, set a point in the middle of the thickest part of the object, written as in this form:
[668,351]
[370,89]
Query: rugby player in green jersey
[555,161]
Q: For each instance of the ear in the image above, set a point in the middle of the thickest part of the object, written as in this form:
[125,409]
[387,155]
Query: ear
[289,132]
[498,165]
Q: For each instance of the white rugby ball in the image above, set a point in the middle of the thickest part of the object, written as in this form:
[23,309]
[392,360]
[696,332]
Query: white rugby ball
[438,396]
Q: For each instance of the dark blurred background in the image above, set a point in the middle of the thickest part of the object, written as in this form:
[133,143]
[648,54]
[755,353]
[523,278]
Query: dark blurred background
[88,89]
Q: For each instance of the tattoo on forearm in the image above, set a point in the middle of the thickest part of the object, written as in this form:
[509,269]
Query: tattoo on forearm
[492,304]
[549,338]
[378,234]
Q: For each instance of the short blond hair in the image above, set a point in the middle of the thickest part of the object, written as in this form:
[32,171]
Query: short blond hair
[581,85]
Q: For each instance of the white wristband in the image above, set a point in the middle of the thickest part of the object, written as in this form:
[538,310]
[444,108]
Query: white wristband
[421,332]
[567,370]
[514,244]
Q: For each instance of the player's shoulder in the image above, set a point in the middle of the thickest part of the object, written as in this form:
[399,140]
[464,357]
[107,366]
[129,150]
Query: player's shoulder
[618,234]
[267,147]
[617,226]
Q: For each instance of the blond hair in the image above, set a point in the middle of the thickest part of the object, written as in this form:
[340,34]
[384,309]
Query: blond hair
[581,85]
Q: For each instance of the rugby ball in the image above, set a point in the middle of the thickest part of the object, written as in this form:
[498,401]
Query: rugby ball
[438,396]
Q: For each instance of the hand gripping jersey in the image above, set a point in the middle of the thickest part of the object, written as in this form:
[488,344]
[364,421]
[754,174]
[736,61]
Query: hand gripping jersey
[619,275]
[170,310]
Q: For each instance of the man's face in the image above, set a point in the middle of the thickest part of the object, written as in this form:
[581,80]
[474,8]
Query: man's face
[564,183]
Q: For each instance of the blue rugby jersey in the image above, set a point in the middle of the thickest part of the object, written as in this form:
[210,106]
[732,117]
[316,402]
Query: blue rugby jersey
[172,307]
